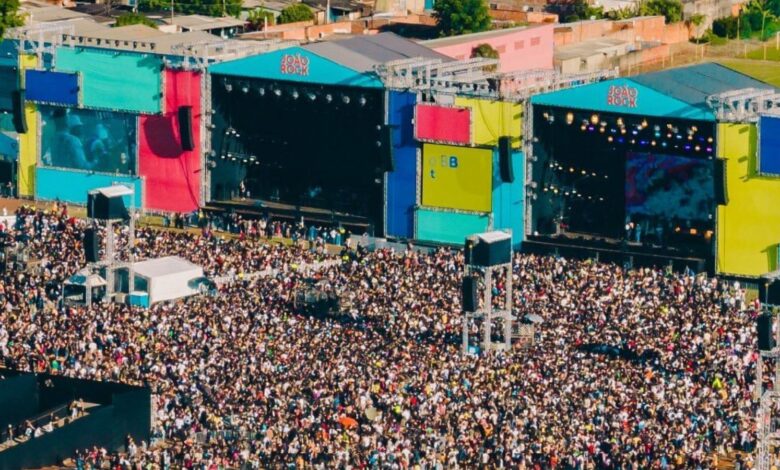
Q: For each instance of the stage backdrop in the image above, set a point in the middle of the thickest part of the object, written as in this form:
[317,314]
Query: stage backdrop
[28,143]
[749,225]
[769,145]
[457,177]
[114,80]
[448,227]
[402,181]
[493,119]
[171,174]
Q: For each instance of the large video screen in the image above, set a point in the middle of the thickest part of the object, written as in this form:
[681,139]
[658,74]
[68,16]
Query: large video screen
[669,187]
[89,140]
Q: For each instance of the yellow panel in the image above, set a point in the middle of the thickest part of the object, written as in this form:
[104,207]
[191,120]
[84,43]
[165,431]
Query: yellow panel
[28,143]
[457,177]
[493,119]
[749,225]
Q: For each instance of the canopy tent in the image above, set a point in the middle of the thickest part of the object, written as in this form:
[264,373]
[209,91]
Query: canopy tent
[167,278]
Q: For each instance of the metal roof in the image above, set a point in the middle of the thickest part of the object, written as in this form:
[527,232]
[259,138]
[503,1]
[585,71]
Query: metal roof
[204,23]
[467,38]
[159,267]
[362,53]
[694,83]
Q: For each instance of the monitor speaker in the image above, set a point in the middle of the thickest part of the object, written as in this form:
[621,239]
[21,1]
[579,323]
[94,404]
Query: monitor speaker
[19,118]
[386,149]
[766,340]
[91,248]
[102,207]
[489,249]
[505,159]
[719,182]
[470,297]
[185,128]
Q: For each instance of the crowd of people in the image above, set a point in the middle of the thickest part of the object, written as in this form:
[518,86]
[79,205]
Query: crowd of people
[631,368]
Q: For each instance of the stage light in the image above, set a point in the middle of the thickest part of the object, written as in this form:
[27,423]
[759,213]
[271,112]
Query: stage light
[620,121]
[668,136]
[663,144]
[591,128]
[261,91]
[634,132]
[623,130]
[609,139]
[633,141]
[709,139]
[245,89]
[698,148]
[278,92]
[311,96]
[362,101]
[546,115]
[601,130]
[644,123]
[228,87]
[709,149]
[687,147]
[569,118]
[652,143]
[583,127]
[552,165]
[657,128]
[584,172]
[328,97]
[594,119]
[571,170]
[295,94]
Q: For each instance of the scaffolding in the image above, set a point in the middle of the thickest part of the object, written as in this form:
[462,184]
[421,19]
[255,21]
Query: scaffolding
[199,55]
[744,105]
[42,38]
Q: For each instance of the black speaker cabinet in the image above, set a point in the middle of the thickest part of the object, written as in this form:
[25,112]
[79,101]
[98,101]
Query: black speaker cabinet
[489,249]
[766,340]
[505,159]
[185,128]
[91,246]
[719,182]
[469,295]
[103,207]
[19,118]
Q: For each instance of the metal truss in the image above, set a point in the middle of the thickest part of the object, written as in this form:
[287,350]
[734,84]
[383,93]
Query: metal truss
[200,55]
[42,38]
[744,105]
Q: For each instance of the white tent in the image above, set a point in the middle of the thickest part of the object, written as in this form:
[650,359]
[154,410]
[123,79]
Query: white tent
[167,278]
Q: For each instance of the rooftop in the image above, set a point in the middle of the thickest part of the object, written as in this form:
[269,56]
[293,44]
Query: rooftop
[204,23]
[164,266]
[37,14]
[588,48]
[467,38]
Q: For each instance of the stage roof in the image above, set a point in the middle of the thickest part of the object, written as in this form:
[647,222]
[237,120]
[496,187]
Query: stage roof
[348,62]
[676,93]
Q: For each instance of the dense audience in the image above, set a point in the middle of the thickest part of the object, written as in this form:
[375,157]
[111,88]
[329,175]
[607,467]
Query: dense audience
[630,368]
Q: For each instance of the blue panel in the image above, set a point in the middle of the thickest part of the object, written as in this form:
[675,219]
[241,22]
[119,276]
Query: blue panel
[402,182]
[624,96]
[72,185]
[295,65]
[9,55]
[769,146]
[52,87]
[509,199]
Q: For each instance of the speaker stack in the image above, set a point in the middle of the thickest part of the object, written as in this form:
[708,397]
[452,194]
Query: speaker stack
[719,182]
[91,245]
[505,159]
[766,340]
[185,128]
[469,294]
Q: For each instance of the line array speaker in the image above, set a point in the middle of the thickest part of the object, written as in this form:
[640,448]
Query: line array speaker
[469,294]
[505,159]
[766,340]
[91,249]
[19,118]
[719,181]
[185,128]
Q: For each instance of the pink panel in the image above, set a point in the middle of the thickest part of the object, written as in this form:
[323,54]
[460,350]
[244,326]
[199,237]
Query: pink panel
[171,174]
[442,124]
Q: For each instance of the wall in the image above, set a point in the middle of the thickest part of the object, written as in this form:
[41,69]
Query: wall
[19,396]
[115,80]
[493,119]
[640,29]
[448,227]
[171,175]
[402,181]
[519,16]
[28,143]
[50,184]
[509,198]
[519,49]
[457,178]
[749,225]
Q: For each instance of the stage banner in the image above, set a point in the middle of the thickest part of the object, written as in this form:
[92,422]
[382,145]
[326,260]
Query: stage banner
[769,145]
[172,174]
[442,124]
[457,177]
[88,140]
[402,181]
[28,143]
[113,80]
[448,227]
[493,119]
[48,87]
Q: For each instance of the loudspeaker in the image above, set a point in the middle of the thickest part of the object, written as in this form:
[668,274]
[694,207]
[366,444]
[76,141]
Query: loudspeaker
[489,249]
[766,340]
[719,182]
[468,250]
[469,295]
[769,291]
[19,118]
[102,207]
[185,127]
[505,159]
[386,149]
[91,248]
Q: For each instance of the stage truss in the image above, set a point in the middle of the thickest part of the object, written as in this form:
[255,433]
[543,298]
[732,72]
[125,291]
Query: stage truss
[744,105]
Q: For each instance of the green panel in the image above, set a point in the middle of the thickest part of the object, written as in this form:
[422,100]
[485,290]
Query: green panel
[448,227]
[115,80]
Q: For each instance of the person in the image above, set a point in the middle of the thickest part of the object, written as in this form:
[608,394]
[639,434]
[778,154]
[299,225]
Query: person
[68,149]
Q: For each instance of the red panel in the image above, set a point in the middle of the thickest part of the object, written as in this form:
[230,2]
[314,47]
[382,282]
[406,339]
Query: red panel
[443,124]
[171,175]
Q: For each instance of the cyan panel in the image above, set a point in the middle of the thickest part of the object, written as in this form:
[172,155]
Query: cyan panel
[623,96]
[72,186]
[449,227]
[402,182]
[9,53]
[49,87]
[113,80]
[9,83]
[509,199]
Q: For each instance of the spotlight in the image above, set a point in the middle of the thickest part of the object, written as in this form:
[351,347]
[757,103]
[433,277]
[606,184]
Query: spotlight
[620,121]
[362,101]
[609,139]
[569,118]
[698,148]
[278,92]
[295,94]
[261,90]
[311,96]
[245,89]
[594,119]
[228,87]
[657,128]
[709,140]
[345,99]
[328,97]
[652,143]
[546,115]
[583,127]
[644,123]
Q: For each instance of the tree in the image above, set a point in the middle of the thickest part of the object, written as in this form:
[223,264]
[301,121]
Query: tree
[295,13]
[135,18]
[577,10]
[456,17]
[672,10]
[763,8]
[487,51]
[725,27]
[9,16]
[257,19]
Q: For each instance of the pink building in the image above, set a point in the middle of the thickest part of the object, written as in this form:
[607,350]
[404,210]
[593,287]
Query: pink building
[521,48]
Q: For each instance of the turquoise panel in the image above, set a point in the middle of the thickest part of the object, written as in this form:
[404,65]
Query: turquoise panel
[448,227]
[115,80]
[73,185]
[296,65]
[623,96]
[509,199]
[9,146]
[9,55]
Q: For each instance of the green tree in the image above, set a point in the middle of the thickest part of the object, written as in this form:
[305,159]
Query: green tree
[134,18]
[487,51]
[295,13]
[9,16]
[257,19]
[764,9]
[725,27]
[456,17]
[672,10]
[577,10]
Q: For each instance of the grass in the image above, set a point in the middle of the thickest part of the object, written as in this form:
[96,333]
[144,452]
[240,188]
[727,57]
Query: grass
[765,71]
[771,53]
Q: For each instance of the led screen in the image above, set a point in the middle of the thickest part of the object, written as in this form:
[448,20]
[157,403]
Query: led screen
[669,187]
[99,141]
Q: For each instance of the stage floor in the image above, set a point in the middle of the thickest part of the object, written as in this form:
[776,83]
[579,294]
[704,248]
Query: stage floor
[280,210]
